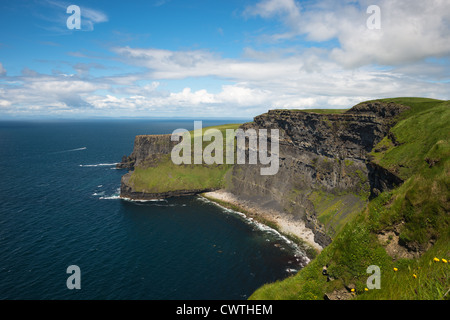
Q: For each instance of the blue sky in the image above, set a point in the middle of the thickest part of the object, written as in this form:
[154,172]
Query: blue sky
[203,58]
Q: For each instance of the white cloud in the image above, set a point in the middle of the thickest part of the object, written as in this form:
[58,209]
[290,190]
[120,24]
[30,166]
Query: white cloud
[58,87]
[261,81]
[34,92]
[187,97]
[242,95]
[166,64]
[411,30]
[4,103]
[271,8]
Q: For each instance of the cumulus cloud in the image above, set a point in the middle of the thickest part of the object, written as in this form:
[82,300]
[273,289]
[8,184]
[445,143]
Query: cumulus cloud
[261,81]
[411,30]
[283,73]
[45,94]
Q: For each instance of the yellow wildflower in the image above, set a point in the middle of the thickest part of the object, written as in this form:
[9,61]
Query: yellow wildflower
[365,289]
[444,260]
[414,276]
[436,259]
[395,269]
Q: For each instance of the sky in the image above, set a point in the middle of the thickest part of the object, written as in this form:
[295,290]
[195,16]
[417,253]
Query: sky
[217,58]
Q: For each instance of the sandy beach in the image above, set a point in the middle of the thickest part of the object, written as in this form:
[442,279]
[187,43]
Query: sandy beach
[285,224]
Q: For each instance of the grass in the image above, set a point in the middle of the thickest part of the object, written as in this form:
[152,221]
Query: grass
[167,176]
[421,205]
[421,279]
[335,210]
[421,131]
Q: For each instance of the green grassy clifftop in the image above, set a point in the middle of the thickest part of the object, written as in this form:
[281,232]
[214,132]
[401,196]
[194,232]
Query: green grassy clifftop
[156,176]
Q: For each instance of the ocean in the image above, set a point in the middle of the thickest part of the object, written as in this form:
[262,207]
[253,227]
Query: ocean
[60,206]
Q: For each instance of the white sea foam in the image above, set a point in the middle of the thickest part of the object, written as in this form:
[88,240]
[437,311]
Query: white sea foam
[98,165]
[114,196]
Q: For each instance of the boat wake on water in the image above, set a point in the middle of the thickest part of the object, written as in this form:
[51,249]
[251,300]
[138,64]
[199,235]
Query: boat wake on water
[71,150]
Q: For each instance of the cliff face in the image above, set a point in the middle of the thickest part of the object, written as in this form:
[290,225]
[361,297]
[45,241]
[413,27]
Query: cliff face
[325,175]
[146,151]
[145,148]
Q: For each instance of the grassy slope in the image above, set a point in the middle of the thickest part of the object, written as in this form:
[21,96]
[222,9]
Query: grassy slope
[335,211]
[421,155]
[164,175]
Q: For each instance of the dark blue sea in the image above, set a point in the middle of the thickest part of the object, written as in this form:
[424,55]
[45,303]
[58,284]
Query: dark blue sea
[59,206]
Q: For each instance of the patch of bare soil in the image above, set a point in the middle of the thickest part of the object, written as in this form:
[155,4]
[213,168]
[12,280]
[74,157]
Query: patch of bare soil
[340,294]
[391,242]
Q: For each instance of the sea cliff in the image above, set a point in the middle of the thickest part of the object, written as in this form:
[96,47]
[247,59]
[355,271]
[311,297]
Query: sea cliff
[368,185]
[325,174]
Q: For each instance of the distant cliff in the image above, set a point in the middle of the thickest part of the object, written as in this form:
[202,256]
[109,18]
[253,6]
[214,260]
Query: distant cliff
[145,148]
[154,176]
[325,173]
[146,152]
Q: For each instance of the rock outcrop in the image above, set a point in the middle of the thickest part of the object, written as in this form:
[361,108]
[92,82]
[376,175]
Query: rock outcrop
[146,147]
